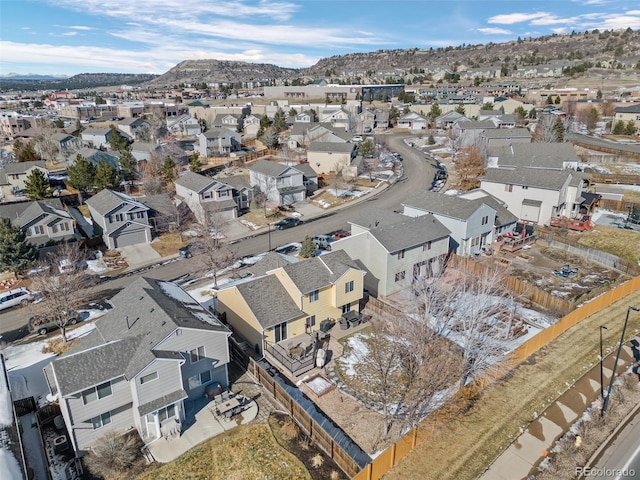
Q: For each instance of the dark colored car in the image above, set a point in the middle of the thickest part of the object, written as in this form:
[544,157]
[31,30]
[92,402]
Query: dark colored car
[287,223]
[42,324]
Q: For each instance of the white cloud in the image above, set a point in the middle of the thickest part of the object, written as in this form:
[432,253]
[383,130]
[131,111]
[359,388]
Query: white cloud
[511,18]
[559,30]
[69,34]
[495,31]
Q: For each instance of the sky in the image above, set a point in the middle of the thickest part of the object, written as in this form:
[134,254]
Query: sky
[67,37]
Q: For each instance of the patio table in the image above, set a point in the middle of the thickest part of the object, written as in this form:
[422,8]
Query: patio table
[230,404]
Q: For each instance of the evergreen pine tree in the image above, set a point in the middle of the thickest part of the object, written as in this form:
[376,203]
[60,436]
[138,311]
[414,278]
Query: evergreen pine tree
[559,130]
[169,170]
[128,165]
[37,185]
[81,175]
[16,254]
[106,176]
[308,248]
[194,163]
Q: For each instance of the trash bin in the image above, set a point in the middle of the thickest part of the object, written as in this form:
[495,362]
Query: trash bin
[184,252]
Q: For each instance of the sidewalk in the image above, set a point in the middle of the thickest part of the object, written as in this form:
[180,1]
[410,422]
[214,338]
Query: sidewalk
[524,455]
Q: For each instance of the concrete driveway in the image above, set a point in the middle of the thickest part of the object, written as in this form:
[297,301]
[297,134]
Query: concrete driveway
[139,255]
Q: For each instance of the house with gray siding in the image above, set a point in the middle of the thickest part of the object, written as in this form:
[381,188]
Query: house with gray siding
[42,221]
[217,142]
[206,195]
[14,174]
[143,366]
[282,184]
[470,221]
[119,219]
[554,156]
[394,249]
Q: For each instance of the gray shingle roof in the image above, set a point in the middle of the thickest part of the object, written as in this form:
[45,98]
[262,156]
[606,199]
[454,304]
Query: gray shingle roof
[161,204]
[37,208]
[144,313]
[407,232]
[160,402]
[269,301]
[306,170]
[21,167]
[630,109]
[194,181]
[537,155]
[238,182]
[441,204]
[530,177]
[503,215]
[319,272]
[332,147]
[271,169]
[106,200]
[270,261]
[13,210]
[506,133]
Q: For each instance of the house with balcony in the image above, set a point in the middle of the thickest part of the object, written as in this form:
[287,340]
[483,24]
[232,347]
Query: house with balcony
[207,195]
[144,366]
[14,174]
[536,195]
[283,309]
[470,221]
[119,219]
[281,184]
[394,249]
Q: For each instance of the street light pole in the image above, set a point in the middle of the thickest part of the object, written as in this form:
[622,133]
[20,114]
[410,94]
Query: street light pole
[615,364]
[602,327]
[269,227]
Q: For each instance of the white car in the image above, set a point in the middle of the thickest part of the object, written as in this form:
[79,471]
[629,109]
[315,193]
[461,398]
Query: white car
[15,297]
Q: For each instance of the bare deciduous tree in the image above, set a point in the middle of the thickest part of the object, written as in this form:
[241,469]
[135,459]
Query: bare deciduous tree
[469,167]
[152,176]
[265,189]
[64,282]
[215,254]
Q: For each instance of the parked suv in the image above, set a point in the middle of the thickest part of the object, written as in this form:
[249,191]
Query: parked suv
[323,242]
[42,324]
[15,297]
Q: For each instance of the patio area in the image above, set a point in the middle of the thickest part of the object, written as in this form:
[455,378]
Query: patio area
[205,418]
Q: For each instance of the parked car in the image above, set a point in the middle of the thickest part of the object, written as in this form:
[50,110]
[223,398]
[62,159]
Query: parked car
[323,242]
[287,223]
[337,235]
[42,324]
[16,297]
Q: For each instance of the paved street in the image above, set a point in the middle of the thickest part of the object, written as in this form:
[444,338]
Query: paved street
[622,458]
[418,174]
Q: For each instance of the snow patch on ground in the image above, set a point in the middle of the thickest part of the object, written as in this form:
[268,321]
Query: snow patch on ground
[250,225]
[358,350]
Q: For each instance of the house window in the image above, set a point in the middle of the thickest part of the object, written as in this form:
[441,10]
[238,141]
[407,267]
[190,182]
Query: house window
[96,393]
[148,378]
[119,217]
[426,246]
[223,193]
[311,321]
[508,188]
[199,379]
[485,220]
[64,226]
[280,332]
[101,420]
[54,228]
[346,308]
[401,254]
[525,187]
[37,230]
[314,296]
[475,241]
[349,286]
[400,276]
[206,195]
[196,354]
[167,412]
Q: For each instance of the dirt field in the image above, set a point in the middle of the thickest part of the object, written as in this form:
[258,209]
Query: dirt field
[537,264]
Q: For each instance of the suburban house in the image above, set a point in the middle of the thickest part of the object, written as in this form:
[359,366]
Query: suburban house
[395,250]
[327,157]
[446,120]
[280,183]
[557,156]
[94,156]
[291,300]
[467,132]
[42,221]
[626,114]
[184,126]
[413,121]
[471,222]
[217,142]
[67,146]
[14,174]
[251,124]
[135,128]
[374,118]
[309,177]
[145,364]
[337,117]
[163,214]
[505,221]
[502,137]
[96,137]
[119,219]
[535,194]
[205,196]
[231,121]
